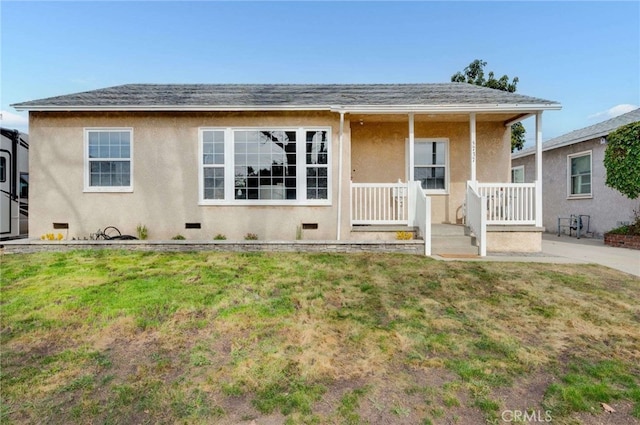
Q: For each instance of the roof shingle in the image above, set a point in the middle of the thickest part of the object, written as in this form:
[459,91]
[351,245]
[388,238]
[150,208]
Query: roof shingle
[278,95]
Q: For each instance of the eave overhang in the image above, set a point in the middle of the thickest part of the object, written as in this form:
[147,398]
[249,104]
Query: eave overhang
[354,109]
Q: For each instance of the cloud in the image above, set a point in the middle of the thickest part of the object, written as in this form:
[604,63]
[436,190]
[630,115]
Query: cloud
[10,120]
[612,112]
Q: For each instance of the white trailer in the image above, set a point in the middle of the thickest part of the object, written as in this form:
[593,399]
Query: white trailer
[14,184]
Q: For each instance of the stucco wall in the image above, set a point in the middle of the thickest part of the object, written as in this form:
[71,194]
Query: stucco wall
[378,155]
[606,207]
[165,179]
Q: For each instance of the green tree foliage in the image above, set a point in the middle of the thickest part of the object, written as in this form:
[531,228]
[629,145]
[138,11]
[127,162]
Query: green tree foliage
[622,160]
[474,74]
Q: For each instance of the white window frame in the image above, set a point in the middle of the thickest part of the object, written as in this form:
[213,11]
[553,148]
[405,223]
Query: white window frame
[447,173]
[518,167]
[87,167]
[569,185]
[301,168]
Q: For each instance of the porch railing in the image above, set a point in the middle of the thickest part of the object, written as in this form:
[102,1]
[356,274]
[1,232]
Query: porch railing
[420,214]
[509,203]
[379,203]
[477,217]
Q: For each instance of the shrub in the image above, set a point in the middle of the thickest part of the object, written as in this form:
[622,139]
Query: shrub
[142,232]
[219,237]
[404,236]
[629,229]
[621,160]
[178,238]
[251,237]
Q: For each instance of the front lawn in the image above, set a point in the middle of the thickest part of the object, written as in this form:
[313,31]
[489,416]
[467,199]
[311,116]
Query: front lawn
[122,337]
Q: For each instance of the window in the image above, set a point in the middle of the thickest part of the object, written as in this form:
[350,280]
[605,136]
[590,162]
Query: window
[579,175]
[317,162]
[431,164]
[268,166]
[517,174]
[24,185]
[265,164]
[213,164]
[108,160]
[3,169]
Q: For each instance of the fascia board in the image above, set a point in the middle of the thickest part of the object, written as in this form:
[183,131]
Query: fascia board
[562,145]
[362,109]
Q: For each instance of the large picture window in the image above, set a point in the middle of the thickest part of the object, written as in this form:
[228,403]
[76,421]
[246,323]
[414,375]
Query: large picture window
[264,166]
[579,175]
[108,164]
[431,164]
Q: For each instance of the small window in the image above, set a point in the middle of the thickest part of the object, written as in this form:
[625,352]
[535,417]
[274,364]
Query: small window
[517,174]
[431,164]
[3,169]
[108,160]
[24,185]
[579,175]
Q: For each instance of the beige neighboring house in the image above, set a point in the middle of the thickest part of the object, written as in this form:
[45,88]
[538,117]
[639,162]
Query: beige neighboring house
[574,178]
[283,160]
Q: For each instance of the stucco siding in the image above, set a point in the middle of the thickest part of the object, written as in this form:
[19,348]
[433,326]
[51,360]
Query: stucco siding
[606,208]
[165,179]
[166,176]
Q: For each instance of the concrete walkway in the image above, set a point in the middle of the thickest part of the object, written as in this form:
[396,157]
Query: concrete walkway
[592,251]
[564,250]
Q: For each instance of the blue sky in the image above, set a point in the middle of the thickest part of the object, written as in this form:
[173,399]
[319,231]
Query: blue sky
[585,55]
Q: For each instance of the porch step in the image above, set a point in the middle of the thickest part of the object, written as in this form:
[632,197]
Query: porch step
[451,239]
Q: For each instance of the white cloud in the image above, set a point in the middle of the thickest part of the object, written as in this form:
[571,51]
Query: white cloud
[612,112]
[11,120]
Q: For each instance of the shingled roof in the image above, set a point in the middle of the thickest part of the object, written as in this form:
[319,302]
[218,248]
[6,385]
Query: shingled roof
[582,135]
[335,97]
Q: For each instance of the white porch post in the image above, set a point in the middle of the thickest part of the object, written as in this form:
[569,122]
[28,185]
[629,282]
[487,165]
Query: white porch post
[340,183]
[539,169]
[412,140]
[472,142]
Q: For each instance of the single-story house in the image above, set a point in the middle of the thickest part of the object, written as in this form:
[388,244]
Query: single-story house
[574,178]
[272,159]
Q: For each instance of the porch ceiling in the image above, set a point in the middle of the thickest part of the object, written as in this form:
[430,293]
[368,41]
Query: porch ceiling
[495,117]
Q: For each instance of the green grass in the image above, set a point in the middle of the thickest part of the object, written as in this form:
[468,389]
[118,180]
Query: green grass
[131,337]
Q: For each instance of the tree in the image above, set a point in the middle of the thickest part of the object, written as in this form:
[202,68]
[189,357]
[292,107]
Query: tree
[622,160]
[474,74]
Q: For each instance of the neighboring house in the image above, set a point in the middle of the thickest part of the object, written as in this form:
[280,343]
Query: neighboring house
[14,184]
[275,159]
[574,177]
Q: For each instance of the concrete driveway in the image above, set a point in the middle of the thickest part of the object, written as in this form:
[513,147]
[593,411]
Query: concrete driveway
[591,251]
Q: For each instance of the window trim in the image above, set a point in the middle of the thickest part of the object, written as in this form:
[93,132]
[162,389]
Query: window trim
[301,167]
[518,167]
[569,185]
[447,169]
[87,168]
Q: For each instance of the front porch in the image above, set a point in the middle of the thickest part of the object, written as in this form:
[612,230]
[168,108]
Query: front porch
[498,217]
[450,169]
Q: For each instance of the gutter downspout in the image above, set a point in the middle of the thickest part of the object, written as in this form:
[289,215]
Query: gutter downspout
[340,142]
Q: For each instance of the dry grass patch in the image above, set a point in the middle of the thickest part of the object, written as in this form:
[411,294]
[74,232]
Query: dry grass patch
[122,337]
